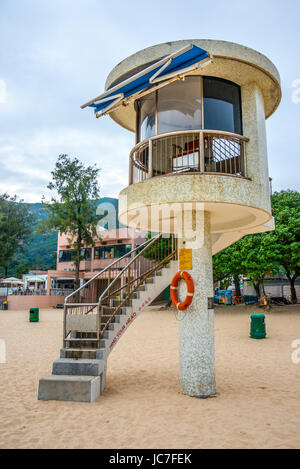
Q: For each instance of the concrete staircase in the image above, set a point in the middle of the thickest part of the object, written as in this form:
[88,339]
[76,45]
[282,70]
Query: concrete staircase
[80,372]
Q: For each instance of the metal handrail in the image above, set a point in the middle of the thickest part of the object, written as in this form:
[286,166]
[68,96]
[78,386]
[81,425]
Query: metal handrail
[104,270]
[142,155]
[129,287]
[152,240]
[204,131]
[144,277]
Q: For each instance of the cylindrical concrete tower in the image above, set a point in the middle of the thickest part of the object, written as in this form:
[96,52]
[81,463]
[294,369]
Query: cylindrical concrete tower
[199,167]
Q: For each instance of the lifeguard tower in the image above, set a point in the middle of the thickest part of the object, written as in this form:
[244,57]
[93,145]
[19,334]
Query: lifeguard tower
[198,178]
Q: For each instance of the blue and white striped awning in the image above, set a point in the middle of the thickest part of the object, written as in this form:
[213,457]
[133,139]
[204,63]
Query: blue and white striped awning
[164,71]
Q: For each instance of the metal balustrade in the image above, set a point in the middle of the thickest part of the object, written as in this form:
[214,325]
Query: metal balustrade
[100,299]
[185,152]
[60,291]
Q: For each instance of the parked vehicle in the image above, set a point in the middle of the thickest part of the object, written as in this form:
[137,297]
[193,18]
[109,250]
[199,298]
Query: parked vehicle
[224,297]
[250,299]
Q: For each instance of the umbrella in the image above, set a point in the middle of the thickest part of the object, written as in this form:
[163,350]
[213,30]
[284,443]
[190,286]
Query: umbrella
[13,281]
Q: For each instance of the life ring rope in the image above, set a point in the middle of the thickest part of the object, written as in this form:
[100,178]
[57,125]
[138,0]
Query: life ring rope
[190,290]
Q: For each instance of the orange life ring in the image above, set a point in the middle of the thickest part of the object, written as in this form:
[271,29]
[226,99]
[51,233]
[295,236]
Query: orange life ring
[190,288]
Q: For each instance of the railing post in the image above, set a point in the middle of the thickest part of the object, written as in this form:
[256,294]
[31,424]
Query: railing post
[130,170]
[128,283]
[98,324]
[108,283]
[244,159]
[201,151]
[150,162]
[64,324]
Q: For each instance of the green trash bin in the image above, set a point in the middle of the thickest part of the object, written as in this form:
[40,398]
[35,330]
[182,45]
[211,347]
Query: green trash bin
[5,305]
[166,293]
[258,326]
[34,315]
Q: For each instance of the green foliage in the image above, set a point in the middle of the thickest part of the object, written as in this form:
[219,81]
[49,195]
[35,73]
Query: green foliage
[257,255]
[73,210]
[16,229]
[21,269]
[286,210]
[258,258]
[160,249]
[286,238]
[227,263]
[40,252]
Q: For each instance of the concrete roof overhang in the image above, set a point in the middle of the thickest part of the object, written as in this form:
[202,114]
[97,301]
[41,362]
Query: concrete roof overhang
[233,62]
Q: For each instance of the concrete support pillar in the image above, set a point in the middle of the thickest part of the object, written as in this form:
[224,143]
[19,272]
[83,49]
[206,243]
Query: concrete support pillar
[196,324]
[48,284]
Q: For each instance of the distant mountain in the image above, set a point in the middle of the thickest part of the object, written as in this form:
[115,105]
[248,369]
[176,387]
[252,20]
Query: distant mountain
[40,253]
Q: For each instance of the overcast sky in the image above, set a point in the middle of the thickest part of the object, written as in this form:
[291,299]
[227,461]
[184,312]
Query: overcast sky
[56,54]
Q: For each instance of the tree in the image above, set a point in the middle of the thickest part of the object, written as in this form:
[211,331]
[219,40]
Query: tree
[21,269]
[259,258]
[73,211]
[227,264]
[259,254]
[160,249]
[252,256]
[286,237]
[16,228]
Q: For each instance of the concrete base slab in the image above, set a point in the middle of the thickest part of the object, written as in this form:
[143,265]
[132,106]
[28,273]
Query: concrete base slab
[69,388]
[83,367]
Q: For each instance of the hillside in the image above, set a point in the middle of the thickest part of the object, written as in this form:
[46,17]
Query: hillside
[40,252]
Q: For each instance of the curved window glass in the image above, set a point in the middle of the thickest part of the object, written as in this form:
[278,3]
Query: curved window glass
[179,106]
[222,105]
[146,116]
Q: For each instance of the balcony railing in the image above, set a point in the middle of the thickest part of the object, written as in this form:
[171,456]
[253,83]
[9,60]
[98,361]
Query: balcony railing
[191,151]
[60,291]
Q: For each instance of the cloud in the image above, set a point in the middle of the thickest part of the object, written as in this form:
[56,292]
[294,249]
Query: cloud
[3,94]
[27,159]
[59,54]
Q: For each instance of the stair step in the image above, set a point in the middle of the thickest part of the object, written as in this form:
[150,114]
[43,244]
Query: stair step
[106,317]
[78,354]
[81,339]
[107,310]
[69,388]
[108,329]
[117,302]
[116,318]
[150,280]
[85,335]
[81,343]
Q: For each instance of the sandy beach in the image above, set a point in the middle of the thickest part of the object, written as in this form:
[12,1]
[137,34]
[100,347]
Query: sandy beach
[258,387]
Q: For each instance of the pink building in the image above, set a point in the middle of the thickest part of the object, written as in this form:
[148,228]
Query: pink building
[116,241]
[113,245]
